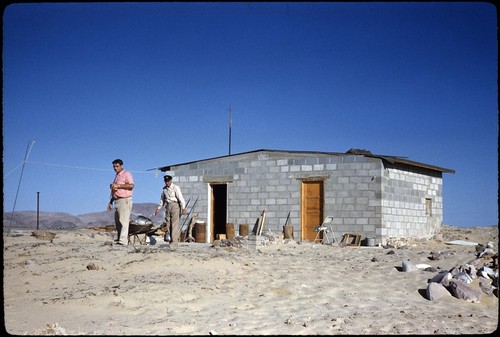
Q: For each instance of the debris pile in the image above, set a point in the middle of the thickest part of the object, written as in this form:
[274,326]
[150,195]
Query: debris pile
[459,281]
[43,235]
[401,242]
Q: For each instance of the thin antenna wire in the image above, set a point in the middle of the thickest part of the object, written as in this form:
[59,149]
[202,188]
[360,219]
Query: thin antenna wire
[5,176]
[28,150]
[230,125]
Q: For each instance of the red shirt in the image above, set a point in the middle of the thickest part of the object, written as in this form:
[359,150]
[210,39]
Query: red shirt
[123,177]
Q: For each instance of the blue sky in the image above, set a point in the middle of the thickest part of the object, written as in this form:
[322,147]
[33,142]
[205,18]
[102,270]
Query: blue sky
[152,83]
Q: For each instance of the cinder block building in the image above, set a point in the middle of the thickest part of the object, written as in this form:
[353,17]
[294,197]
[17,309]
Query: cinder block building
[377,196]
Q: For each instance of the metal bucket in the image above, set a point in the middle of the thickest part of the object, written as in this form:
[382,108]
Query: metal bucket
[370,242]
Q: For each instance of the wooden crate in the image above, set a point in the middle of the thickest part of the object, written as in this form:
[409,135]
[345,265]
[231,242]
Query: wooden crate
[351,239]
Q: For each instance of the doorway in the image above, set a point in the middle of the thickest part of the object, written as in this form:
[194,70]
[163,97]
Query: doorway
[312,208]
[218,214]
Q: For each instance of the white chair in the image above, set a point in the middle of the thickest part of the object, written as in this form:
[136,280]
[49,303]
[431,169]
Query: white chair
[325,231]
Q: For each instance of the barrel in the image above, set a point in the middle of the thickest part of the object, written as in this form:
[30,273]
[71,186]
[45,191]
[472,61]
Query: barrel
[288,231]
[200,232]
[230,231]
[243,229]
[370,242]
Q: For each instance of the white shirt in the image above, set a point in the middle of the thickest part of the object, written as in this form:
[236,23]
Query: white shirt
[171,194]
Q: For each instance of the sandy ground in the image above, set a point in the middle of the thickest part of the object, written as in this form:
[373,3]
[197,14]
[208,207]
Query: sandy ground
[83,284]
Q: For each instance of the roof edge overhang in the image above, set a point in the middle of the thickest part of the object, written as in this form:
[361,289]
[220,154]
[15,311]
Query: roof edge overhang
[400,160]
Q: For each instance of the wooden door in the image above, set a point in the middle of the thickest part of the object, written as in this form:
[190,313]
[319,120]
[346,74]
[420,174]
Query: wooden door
[312,208]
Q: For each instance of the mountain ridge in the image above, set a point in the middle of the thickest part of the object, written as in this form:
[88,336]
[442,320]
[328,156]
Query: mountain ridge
[62,220]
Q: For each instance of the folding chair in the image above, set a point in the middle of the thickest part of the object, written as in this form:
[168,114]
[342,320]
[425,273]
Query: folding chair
[325,231]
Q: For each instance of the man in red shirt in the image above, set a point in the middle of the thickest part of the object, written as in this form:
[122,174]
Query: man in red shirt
[121,196]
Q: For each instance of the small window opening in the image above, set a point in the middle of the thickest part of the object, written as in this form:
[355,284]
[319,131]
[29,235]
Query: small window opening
[428,207]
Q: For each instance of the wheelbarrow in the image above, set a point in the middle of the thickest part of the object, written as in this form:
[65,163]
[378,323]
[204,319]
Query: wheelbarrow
[141,225]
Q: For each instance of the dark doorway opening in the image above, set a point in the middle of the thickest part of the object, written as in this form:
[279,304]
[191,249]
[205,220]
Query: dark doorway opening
[219,209]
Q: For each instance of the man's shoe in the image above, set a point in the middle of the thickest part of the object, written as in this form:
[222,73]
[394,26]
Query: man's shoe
[166,237]
[120,243]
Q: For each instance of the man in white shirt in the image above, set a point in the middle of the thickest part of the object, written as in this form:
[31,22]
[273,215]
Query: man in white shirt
[175,206]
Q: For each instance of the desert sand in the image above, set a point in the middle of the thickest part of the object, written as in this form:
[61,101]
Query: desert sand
[83,284]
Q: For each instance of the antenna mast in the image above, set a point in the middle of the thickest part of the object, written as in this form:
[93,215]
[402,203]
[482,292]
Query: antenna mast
[28,150]
[230,125]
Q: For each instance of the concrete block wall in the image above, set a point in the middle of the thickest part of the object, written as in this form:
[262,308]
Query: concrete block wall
[267,183]
[404,197]
[353,196]
[255,181]
[360,193]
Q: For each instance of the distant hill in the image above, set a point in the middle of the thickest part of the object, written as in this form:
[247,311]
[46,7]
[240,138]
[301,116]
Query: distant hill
[60,220]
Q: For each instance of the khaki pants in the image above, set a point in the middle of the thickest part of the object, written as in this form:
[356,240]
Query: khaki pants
[123,208]
[172,216]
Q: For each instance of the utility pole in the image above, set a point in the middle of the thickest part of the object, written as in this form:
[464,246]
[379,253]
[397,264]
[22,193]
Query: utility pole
[37,210]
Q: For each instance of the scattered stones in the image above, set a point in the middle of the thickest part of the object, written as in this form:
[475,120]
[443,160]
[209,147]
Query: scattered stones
[457,281]
[442,278]
[436,290]
[463,291]
[487,253]
[486,286]
[407,266]
[488,272]
[43,235]
[463,276]
[94,266]
[402,242]
[430,269]
[435,256]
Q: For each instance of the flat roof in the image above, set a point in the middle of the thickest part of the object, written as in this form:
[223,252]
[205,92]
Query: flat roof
[389,158]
